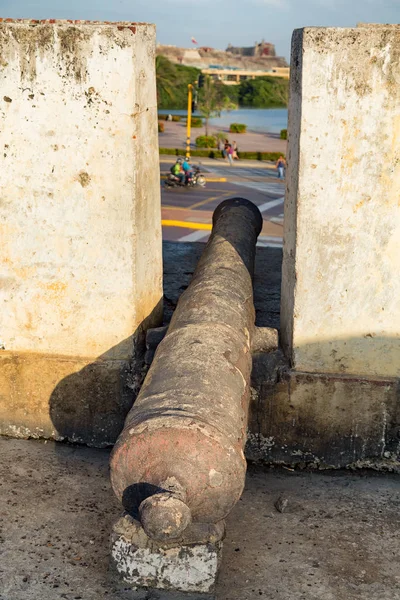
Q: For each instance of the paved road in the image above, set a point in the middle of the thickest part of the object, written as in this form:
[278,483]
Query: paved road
[187,213]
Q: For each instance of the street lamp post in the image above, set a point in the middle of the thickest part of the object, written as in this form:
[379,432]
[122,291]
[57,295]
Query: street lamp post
[189,119]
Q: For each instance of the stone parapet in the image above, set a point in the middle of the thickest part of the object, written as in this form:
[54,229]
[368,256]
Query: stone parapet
[80,224]
[341,258]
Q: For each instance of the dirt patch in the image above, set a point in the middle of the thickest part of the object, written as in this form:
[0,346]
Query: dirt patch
[84,178]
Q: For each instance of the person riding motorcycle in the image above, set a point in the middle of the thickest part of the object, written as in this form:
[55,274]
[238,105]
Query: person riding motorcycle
[187,169]
[176,170]
[183,174]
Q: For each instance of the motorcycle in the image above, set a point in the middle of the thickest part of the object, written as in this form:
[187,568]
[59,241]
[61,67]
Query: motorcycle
[196,179]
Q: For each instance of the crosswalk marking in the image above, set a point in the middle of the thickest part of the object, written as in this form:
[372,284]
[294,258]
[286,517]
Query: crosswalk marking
[271,204]
[261,244]
[195,236]
[270,241]
[248,175]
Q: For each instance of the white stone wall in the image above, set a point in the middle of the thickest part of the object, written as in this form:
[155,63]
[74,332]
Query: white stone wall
[341,283]
[79,186]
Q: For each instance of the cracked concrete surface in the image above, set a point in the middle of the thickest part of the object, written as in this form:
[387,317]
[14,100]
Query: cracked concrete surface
[338,538]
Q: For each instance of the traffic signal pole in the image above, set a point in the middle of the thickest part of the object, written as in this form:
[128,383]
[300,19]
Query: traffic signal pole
[189,119]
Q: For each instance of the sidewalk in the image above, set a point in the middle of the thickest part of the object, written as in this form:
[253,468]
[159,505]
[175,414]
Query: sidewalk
[174,136]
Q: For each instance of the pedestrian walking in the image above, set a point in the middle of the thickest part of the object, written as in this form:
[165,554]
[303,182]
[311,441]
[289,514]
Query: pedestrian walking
[235,150]
[228,152]
[225,149]
[281,166]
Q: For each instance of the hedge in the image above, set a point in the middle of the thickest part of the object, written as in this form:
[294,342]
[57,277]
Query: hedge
[283,134]
[182,152]
[237,128]
[206,141]
[270,156]
[260,155]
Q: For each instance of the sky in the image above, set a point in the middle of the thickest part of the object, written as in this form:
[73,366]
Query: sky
[215,22]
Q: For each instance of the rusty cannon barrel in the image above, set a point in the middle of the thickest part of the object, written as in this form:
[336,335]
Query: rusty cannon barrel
[180,455]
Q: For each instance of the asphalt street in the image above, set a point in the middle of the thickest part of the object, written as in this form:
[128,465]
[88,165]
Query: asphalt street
[187,212]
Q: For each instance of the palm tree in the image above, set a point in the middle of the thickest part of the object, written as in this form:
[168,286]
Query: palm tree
[213,100]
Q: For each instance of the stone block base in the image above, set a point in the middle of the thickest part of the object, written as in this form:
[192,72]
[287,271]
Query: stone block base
[188,566]
[78,399]
[64,398]
[322,420]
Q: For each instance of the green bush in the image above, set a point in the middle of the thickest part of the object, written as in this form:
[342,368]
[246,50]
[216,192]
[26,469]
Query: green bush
[237,128]
[283,134]
[160,127]
[197,122]
[206,141]
[269,156]
[176,118]
[162,117]
[272,156]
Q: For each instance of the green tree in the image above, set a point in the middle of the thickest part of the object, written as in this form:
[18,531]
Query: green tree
[264,92]
[213,99]
[166,76]
[172,81]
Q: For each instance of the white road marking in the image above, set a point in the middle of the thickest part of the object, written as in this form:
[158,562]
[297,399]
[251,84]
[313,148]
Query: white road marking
[271,204]
[247,176]
[270,241]
[261,244]
[266,188]
[195,236]
[270,238]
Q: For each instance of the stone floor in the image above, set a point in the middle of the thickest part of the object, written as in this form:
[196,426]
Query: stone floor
[338,539]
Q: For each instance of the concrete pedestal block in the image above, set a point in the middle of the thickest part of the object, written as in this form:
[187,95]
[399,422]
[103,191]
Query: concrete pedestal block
[81,258]
[188,565]
[322,420]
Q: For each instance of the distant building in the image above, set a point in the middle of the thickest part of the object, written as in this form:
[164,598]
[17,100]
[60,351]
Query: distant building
[257,51]
[233,75]
[258,59]
[192,57]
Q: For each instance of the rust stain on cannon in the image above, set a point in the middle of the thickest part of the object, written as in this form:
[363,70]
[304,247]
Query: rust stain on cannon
[188,424]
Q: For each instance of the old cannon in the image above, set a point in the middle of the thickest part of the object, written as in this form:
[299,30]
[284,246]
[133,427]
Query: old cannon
[179,458]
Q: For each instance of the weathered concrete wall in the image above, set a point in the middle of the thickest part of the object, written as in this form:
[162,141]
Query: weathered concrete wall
[341,285]
[80,222]
[322,420]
